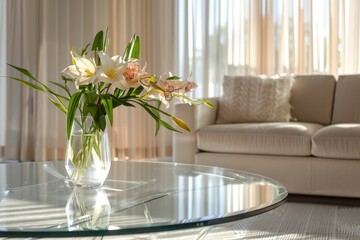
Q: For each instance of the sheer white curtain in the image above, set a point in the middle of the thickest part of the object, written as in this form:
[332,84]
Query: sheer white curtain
[267,37]
[2,73]
[41,33]
[205,38]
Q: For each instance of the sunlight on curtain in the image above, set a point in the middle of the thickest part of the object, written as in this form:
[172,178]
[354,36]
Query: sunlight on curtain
[40,36]
[2,73]
[233,37]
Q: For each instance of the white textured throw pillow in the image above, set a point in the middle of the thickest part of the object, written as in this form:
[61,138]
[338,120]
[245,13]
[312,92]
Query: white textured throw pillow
[255,99]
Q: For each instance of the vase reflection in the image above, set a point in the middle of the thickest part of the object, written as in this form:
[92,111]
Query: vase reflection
[88,209]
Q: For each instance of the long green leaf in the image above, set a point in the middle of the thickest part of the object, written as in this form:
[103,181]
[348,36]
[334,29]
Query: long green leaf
[168,126]
[158,104]
[66,89]
[126,54]
[67,79]
[132,50]
[73,105]
[102,122]
[28,84]
[58,104]
[129,91]
[23,71]
[43,87]
[157,119]
[84,51]
[93,109]
[155,108]
[106,101]
[173,78]
[118,92]
[136,48]
[138,90]
[118,102]
[106,39]
[98,42]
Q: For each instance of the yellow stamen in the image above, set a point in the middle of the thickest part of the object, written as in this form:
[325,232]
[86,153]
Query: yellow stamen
[110,73]
[89,73]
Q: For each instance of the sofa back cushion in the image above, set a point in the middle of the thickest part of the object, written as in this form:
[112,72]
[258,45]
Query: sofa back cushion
[347,100]
[255,99]
[312,98]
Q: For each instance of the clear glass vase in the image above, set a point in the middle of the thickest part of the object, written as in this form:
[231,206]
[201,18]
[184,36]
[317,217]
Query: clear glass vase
[88,154]
[88,209]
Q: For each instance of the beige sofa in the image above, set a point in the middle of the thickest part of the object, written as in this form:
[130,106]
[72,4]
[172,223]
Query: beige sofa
[318,154]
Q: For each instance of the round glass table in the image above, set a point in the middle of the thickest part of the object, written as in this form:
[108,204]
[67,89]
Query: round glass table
[38,200]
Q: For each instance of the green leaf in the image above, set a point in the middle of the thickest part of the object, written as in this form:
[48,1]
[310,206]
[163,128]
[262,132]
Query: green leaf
[168,126]
[92,109]
[157,108]
[138,90]
[106,39]
[59,85]
[91,104]
[102,122]
[132,50]
[62,87]
[173,78]
[58,105]
[28,84]
[118,92]
[47,92]
[98,44]
[24,71]
[67,79]
[136,48]
[92,97]
[158,120]
[129,91]
[72,107]
[116,102]
[43,87]
[84,51]
[107,103]
[126,54]
[158,104]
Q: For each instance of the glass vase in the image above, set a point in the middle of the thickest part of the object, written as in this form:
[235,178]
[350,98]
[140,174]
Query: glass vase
[88,209]
[88,153]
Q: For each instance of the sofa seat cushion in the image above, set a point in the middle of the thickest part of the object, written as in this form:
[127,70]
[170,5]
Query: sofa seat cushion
[280,138]
[337,141]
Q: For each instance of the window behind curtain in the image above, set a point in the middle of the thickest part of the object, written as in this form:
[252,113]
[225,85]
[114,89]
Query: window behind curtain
[2,73]
[238,37]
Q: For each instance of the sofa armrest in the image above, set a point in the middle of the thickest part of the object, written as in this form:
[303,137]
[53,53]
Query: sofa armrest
[196,117]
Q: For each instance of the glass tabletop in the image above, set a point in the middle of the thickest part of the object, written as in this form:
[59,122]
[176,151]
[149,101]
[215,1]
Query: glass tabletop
[38,200]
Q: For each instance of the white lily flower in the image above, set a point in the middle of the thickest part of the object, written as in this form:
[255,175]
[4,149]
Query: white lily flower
[111,71]
[83,70]
[167,89]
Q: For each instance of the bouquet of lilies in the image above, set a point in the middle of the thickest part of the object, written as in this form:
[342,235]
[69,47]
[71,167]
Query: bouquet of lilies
[105,82]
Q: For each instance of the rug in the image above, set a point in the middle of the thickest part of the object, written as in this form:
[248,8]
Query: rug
[291,220]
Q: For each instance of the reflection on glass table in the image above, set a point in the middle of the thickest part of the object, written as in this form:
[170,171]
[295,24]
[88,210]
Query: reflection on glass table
[38,200]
